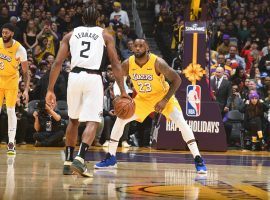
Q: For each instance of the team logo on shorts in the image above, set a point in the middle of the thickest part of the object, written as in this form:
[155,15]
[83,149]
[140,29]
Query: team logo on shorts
[193,102]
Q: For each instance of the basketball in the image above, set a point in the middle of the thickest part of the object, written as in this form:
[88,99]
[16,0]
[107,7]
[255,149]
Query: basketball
[124,108]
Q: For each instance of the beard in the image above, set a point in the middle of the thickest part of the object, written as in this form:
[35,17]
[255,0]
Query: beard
[139,55]
[7,39]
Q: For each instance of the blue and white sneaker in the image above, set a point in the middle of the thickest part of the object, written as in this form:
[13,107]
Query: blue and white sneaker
[200,165]
[109,162]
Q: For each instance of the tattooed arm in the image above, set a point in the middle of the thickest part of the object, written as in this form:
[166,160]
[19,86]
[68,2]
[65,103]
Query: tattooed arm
[175,81]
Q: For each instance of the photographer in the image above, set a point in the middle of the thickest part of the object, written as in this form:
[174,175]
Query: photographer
[48,126]
[235,102]
[22,120]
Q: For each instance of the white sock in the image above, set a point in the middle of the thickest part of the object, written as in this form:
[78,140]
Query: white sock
[194,149]
[113,147]
[117,133]
[187,134]
[12,124]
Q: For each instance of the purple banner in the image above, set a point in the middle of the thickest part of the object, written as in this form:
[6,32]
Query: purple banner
[201,113]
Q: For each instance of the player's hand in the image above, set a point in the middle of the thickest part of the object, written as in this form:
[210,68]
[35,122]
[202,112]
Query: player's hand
[159,107]
[50,99]
[125,95]
[25,96]
[111,113]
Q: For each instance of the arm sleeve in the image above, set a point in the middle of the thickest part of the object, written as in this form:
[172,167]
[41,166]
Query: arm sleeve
[21,53]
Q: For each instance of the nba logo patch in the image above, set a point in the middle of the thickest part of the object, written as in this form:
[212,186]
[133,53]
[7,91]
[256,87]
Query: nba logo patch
[193,103]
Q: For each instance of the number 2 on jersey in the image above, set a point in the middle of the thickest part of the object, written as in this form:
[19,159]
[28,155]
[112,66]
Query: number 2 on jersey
[84,51]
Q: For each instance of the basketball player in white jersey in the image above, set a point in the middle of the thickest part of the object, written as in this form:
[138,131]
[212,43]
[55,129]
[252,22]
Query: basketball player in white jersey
[85,87]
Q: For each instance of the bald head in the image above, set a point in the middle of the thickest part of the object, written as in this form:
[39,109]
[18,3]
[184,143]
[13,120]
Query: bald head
[219,72]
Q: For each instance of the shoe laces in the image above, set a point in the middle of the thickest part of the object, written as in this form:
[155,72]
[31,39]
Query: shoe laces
[108,156]
[10,145]
[199,160]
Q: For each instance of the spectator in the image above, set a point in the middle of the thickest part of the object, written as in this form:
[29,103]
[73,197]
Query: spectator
[253,120]
[178,32]
[236,60]
[51,37]
[264,64]
[41,48]
[129,51]
[22,24]
[177,63]
[48,126]
[30,36]
[243,32]
[17,32]
[225,46]
[265,49]
[119,15]
[251,54]
[4,17]
[221,63]
[221,89]
[120,39]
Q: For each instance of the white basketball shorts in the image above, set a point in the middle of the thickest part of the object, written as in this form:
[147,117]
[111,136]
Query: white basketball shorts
[85,97]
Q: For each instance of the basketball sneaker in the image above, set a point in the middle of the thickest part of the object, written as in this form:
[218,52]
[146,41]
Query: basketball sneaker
[200,165]
[79,167]
[66,168]
[11,150]
[109,162]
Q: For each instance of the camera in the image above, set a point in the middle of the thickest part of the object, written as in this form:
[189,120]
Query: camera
[21,100]
[41,105]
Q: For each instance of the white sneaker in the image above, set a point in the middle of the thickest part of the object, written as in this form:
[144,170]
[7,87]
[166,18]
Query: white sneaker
[125,144]
[106,143]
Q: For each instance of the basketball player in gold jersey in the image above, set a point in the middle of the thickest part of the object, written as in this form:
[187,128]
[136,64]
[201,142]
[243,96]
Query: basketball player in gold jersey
[12,54]
[148,73]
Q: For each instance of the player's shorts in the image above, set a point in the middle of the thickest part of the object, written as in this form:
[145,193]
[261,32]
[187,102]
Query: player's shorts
[10,95]
[85,97]
[146,106]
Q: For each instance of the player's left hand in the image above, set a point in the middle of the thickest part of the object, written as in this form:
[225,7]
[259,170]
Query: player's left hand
[25,96]
[125,95]
[159,107]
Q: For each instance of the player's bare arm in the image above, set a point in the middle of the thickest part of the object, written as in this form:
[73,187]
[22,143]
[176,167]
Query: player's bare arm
[163,68]
[26,79]
[125,67]
[175,81]
[116,66]
[56,68]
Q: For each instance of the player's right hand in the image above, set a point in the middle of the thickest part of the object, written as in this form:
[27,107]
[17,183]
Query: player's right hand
[50,99]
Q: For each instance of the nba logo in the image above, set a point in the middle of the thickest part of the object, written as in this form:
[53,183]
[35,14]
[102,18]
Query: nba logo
[193,103]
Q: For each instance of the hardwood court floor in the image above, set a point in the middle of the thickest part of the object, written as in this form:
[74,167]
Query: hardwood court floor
[36,173]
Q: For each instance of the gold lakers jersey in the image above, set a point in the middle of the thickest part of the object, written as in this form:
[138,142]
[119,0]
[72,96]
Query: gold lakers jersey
[9,65]
[150,88]
[145,79]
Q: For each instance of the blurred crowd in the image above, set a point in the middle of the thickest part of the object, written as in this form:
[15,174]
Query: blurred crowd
[237,61]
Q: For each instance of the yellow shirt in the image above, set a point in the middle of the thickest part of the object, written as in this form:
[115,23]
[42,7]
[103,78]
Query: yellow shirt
[145,80]
[9,66]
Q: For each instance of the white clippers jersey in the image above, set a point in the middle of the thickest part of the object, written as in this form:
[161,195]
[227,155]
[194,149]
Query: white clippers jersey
[86,47]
